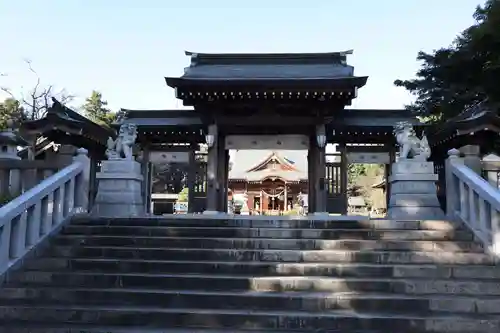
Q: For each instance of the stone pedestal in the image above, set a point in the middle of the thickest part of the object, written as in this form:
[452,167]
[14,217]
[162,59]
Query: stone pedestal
[413,191]
[119,192]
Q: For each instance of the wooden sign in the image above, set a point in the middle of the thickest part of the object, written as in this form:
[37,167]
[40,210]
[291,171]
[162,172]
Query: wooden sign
[168,157]
[270,142]
[365,157]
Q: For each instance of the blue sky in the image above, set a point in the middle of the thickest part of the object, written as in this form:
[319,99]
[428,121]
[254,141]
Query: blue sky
[124,48]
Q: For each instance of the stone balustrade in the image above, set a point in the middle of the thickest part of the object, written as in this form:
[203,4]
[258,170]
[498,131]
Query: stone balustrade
[472,200]
[18,176]
[29,218]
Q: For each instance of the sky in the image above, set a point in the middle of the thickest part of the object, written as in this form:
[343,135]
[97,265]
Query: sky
[125,48]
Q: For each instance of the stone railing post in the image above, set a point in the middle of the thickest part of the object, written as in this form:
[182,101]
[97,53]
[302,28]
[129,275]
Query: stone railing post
[452,187]
[66,154]
[83,181]
[491,169]
[471,158]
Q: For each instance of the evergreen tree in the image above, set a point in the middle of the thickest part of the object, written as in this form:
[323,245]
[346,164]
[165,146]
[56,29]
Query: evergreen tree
[10,109]
[95,108]
[456,77]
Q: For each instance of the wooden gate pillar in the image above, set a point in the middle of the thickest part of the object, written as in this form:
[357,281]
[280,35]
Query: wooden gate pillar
[221,173]
[213,165]
[344,180]
[311,175]
[191,179]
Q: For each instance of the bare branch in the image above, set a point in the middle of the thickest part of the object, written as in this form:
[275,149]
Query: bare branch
[7,91]
[28,62]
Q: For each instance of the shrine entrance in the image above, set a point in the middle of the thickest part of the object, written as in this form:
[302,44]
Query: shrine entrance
[274,195]
[248,105]
[336,183]
[263,101]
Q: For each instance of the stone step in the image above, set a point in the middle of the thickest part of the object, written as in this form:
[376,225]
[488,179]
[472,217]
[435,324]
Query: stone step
[339,256]
[252,300]
[265,268]
[267,243]
[147,318]
[70,328]
[251,282]
[300,223]
[281,233]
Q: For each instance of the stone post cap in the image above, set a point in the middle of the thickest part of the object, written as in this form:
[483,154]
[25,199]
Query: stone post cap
[453,153]
[470,150]
[81,155]
[82,151]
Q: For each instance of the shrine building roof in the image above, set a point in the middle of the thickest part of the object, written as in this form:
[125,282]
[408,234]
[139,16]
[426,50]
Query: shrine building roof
[268,66]
[282,77]
[251,165]
[480,118]
[65,126]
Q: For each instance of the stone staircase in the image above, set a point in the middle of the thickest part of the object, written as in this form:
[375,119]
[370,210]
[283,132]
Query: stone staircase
[208,275]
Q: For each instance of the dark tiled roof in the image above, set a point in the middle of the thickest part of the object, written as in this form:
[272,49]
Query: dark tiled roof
[257,66]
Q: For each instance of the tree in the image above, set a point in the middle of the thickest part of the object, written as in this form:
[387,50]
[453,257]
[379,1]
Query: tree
[183,195]
[461,75]
[36,102]
[95,109]
[354,171]
[169,177]
[10,109]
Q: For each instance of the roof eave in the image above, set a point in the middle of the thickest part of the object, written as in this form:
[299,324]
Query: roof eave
[328,83]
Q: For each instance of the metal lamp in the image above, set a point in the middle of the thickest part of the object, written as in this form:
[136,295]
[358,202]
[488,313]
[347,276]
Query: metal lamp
[210,140]
[321,136]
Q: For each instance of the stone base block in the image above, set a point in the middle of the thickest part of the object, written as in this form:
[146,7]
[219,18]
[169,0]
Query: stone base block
[414,192]
[423,177]
[119,192]
[118,210]
[320,214]
[212,212]
[415,187]
[121,166]
[415,213]
[406,167]
[414,200]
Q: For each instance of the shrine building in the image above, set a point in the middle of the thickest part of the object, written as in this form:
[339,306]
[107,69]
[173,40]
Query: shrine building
[272,106]
[272,180]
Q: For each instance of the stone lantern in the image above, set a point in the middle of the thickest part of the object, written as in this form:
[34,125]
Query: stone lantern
[9,141]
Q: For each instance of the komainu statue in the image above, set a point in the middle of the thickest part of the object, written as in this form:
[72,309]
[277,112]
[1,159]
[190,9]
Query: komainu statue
[410,146]
[121,148]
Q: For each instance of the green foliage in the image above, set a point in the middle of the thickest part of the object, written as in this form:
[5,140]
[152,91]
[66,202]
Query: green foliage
[183,195]
[354,171]
[292,212]
[6,198]
[456,77]
[360,178]
[10,109]
[95,109]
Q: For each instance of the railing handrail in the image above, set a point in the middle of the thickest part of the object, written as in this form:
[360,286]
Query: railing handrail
[7,164]
[473,201]
[28,220]
[474,181]
[45,187]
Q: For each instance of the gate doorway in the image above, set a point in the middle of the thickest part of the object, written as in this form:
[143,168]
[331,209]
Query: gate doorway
[336,184]
[199,197]
[368,169]
[168,175]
